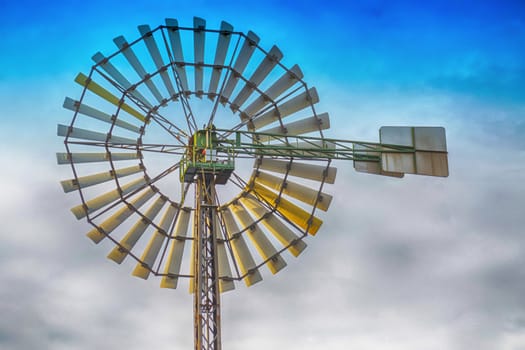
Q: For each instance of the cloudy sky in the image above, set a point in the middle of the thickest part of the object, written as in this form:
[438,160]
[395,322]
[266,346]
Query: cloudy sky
[418,263]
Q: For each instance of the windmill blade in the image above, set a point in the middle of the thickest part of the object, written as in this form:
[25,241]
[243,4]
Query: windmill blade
[74,106]
[223,42]
[128,52]
[242,254]
[303,170]
[95,179]
[96,203]
[302,193]
[83,134]
[126,244]
[262,71]
[199,25]
[176,47]
[280,231]
[249,45]
[154,52]
[113,72]
[295,104]
[225,273]
[108,96]
[66,158]
[263,245]
[292,212]
[172,268]
[115,220]
[143,268]
[299,127]
[286,81]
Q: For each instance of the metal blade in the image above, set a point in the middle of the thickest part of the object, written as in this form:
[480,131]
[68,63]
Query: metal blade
[95,179]
[263,245]
[74,106]
[119,253]
[96,203]
[303,170]
[172,268]
[128,52]
[286,81]
[295,104]
[223,42]
[143,268]
[280,231]
[302,193]
[247,49]
[83,134]
[299,127]
[242,254]
[108,96]
[176,47]
[224,270]
[120,216]
[199,35]
[66,158]
[262,71]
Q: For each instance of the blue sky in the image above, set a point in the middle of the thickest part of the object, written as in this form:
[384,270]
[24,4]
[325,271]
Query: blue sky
[399,264]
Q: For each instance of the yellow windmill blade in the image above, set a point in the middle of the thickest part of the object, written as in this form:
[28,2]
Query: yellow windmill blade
[98,202]
[147,260]
[173,264]
[241,253]
[263,245]
[265,67]
[295,190]
[223,43]
[108,96]
[107,226]
[303,170]
[95,179]
[280,231]
[126,244]
[299,102]
[285,82]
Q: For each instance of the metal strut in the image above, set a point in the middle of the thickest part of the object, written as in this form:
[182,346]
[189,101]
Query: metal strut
[206,286]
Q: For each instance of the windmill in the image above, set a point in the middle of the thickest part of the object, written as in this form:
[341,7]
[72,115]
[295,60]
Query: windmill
[212,204]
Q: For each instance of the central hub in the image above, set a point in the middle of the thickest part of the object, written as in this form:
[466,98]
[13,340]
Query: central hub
[205,156]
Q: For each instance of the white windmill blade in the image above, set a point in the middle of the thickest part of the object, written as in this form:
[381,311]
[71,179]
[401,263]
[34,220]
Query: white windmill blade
[371,167]
[286,81]
[176,47]
[154,52]
[299,127]
[120,216]
[95,88]
[119,253]
[430,157]
[300,192]
[290,211]
[279,230]
[262,244]
[173,264]
[147,260]
[84,134]
[66,158]
[247,49]
[224,269]
[199,35]
[96,203]
[303,170]
[94,113]
[295,104]
[223,42]
[241,253]
[131,57]
[95,179]
[261,72]
[113,72]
